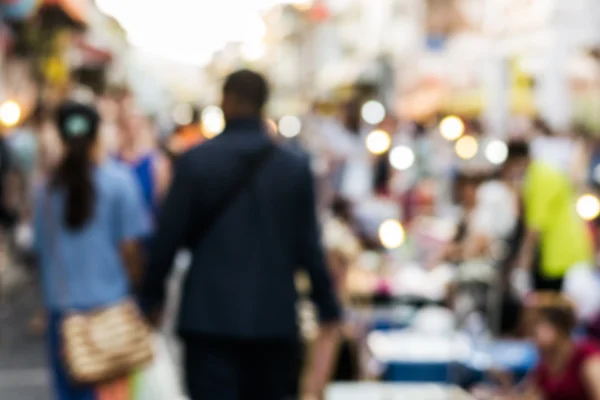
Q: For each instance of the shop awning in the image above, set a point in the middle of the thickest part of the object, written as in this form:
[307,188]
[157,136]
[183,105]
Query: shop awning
[426,102]
[472,103]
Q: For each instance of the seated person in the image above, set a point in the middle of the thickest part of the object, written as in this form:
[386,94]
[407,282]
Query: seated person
[568,369]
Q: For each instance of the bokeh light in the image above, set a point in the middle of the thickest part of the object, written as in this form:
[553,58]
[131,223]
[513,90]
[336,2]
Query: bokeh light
[391,234]
[588,207]
[402,158]
[10,113]
[496,152]
[378,142]
[213,121]
[466,147]
[183,114]
[290,126]
[452,128]
[373,112]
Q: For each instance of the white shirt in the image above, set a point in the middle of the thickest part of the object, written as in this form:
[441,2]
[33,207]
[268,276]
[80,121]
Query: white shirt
[496,212]
[357,179]
[582,286]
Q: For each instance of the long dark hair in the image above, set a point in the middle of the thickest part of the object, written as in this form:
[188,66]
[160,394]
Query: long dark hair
[78,127]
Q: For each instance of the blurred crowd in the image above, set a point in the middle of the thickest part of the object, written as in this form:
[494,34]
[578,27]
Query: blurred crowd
[500,236]
[501,232]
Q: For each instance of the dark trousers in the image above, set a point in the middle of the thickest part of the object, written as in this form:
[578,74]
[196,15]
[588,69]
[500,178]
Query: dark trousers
[542,283]
[225,369]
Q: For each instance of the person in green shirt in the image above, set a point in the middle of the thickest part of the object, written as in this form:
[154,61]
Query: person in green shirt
[556,238]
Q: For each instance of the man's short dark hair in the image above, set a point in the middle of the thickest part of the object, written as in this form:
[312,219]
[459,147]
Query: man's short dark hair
[518,150]
[249,86]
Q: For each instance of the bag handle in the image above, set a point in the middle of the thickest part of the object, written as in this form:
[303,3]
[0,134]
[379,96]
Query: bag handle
[232,192]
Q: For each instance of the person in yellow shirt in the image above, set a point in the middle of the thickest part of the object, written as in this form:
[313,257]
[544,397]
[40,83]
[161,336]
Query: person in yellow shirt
[556,237]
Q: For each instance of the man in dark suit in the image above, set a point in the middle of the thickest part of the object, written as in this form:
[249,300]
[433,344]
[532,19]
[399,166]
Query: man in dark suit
[238,310]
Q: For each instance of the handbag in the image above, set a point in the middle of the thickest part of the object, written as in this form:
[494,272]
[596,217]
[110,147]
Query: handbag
[102,344]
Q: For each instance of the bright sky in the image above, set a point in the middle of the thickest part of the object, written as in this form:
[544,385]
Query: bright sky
[190,31]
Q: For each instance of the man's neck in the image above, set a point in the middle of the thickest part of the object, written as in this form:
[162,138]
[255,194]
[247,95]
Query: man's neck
[248,122]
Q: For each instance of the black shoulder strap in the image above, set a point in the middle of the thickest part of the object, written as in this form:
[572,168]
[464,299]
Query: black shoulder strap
[241,181]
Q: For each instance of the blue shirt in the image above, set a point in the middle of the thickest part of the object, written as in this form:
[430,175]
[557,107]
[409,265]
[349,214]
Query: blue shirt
[83,269]
[143,170]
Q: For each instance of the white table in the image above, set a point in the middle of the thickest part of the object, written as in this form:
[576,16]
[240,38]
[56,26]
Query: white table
[382,391]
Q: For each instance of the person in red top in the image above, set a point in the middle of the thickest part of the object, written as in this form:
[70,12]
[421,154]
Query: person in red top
[568,369]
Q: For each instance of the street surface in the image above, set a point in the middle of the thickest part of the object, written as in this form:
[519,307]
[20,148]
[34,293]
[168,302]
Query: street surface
[23,374]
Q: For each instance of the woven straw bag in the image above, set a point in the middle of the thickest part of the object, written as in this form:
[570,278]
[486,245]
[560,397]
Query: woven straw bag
[103,344]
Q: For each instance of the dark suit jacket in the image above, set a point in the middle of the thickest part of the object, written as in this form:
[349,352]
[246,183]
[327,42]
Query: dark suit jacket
[241,281]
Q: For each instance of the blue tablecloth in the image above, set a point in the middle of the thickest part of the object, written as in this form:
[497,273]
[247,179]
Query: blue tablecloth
[515,357]
[430,372]
[387,325]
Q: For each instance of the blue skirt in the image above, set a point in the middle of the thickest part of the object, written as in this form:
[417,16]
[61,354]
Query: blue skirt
[63,387]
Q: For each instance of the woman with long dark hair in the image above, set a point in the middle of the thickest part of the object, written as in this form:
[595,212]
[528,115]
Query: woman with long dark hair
[88,218]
